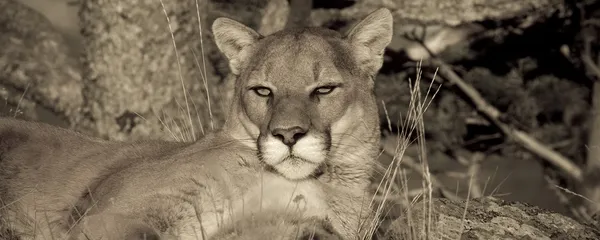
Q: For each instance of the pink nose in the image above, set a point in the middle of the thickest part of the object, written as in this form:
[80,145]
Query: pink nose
[289,136]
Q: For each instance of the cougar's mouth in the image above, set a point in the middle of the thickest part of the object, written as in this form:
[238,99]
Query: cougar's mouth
[299,161]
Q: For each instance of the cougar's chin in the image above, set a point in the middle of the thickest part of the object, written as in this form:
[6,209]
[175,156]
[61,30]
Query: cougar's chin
[295,168]
[297,162]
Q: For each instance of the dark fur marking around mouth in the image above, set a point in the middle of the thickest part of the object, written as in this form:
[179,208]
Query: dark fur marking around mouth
[319,171]
[270,169]
[327,140]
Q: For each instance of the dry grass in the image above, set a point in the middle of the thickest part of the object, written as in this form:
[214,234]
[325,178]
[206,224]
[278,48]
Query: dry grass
[394,184]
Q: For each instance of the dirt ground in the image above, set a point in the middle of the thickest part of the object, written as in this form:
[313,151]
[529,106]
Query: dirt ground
[515,179]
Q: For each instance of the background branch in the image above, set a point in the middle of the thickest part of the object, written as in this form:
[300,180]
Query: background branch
[493,115]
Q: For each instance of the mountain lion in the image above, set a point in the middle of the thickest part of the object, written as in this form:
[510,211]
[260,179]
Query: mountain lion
[295,153]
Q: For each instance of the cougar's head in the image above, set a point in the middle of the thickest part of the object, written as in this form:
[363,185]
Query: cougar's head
[305,96]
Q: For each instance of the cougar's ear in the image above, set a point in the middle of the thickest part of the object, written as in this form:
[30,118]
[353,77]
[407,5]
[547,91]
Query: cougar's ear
[232,39]
[370,37]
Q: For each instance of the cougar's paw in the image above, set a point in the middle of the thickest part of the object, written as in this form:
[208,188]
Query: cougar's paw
[278,225]
[142,233]
[114,226]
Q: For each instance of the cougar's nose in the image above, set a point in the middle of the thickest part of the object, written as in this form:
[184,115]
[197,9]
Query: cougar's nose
[289,136]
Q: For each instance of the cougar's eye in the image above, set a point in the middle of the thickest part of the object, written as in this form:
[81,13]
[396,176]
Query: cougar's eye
[262,91]
[324,90]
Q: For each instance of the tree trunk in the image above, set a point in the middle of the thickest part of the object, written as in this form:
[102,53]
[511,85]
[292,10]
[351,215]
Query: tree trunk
[137,85]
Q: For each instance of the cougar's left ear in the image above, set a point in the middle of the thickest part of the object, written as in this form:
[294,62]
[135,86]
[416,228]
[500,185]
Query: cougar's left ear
[370,37]
[233,39]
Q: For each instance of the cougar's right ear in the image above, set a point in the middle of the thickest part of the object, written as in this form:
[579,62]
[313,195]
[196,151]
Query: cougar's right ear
[370,38]
[233,39]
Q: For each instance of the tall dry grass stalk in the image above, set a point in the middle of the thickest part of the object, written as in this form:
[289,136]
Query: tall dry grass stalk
[187,131]
[394,184]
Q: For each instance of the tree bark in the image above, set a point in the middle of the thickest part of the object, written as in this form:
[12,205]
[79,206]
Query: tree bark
[590,58]
[442,12]
[137,85]
[299,10]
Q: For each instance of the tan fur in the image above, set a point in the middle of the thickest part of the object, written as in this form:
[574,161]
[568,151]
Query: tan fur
[51,177]
[278,225]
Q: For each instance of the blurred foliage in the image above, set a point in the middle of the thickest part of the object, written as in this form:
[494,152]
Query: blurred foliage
[551,109]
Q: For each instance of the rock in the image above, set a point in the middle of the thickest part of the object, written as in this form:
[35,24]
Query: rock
[37,69]
[489,218]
